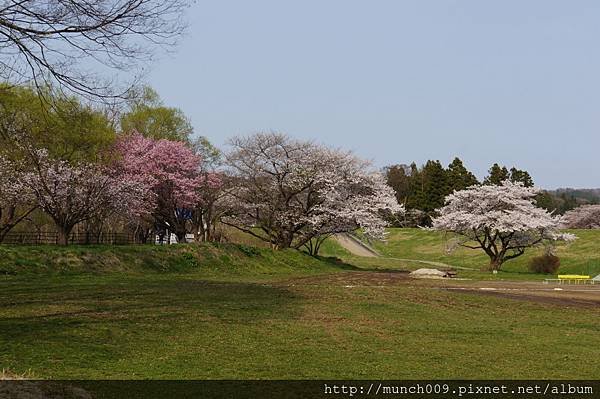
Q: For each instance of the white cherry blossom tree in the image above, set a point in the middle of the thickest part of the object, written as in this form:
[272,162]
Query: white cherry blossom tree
[503,221]
[294,193]
[16,200]
[71,194]
[583,217]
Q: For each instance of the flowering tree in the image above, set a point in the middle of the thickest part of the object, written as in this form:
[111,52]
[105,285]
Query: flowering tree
[210,206]
[583,217]
[169,170]
[16,200]
[353,197]
[293,193]
[502,220]
[73,194]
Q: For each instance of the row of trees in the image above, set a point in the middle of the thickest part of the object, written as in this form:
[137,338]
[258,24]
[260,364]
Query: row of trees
[423,189]
[140,171]
[79,165]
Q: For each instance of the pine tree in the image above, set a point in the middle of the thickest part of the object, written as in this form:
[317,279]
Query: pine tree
[415,198]
[459,177]
[546,201]
[496,175]
[521,176]
[398,178]
[435,186]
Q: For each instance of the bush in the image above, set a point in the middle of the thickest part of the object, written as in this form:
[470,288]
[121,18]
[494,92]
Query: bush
[547,264]
[248,250]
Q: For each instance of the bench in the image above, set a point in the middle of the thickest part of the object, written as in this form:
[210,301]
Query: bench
[571,278]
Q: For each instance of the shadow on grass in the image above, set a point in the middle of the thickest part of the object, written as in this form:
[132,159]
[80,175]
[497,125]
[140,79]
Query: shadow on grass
[337,262]
[66,314]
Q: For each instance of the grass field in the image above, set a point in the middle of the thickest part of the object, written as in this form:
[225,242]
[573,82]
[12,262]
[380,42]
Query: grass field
[579,257]
[230,311]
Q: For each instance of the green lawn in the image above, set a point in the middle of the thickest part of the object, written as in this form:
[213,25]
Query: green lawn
[179,326]
[234,312]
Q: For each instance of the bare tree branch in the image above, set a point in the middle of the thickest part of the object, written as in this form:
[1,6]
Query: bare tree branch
[58,42]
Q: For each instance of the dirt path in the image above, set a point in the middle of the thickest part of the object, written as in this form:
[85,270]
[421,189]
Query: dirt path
[355,247]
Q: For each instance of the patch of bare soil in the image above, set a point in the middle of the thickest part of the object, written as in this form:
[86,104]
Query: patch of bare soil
[359,279]
[563,295]
[560,295]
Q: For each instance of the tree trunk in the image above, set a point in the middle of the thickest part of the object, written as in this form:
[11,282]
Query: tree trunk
[3,232]
[495,263]
[63,234]
[180,236]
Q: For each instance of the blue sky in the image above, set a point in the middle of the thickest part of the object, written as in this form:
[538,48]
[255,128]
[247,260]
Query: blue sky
[515,82]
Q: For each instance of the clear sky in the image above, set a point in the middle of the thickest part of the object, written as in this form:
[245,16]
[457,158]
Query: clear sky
[515,82]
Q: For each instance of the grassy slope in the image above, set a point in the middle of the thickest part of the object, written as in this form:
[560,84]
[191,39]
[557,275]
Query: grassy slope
[579,257]
[203,260]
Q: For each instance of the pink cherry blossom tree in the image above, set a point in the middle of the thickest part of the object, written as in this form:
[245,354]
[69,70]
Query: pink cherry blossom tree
[16,200]
[503,221]
[71,194]
[293,193]
[170,172]
[583,217]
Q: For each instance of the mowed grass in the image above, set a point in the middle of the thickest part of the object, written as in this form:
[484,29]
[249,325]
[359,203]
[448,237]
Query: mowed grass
[178,326]
[231,312]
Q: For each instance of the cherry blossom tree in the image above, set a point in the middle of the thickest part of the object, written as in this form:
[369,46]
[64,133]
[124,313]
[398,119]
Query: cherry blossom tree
[71,194]
[503,221]
[170,171]
[16,200]
[210,206]
[294,193]
[354,197]
[583,217]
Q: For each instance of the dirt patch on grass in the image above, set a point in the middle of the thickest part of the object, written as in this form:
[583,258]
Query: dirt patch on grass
[358,279]
[576,296]
[563,295]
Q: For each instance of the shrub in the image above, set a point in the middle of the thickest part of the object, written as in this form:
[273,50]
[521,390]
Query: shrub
[249,251]
[547,263]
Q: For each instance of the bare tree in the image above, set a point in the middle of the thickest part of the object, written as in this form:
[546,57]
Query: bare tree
[60,41]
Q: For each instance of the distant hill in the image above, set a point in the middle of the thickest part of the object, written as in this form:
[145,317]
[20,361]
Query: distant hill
[564,199]
[589,195]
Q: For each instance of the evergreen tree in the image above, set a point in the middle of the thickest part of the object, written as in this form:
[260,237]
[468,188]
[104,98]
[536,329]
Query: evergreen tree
[546,201]
[459,177]
[568,202]
[398,178]
[435,186]
[521,176]
[415,198]
[496,176]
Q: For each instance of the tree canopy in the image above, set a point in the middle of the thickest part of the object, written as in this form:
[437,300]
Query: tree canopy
[502,220]
[149,116]
[69,130]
